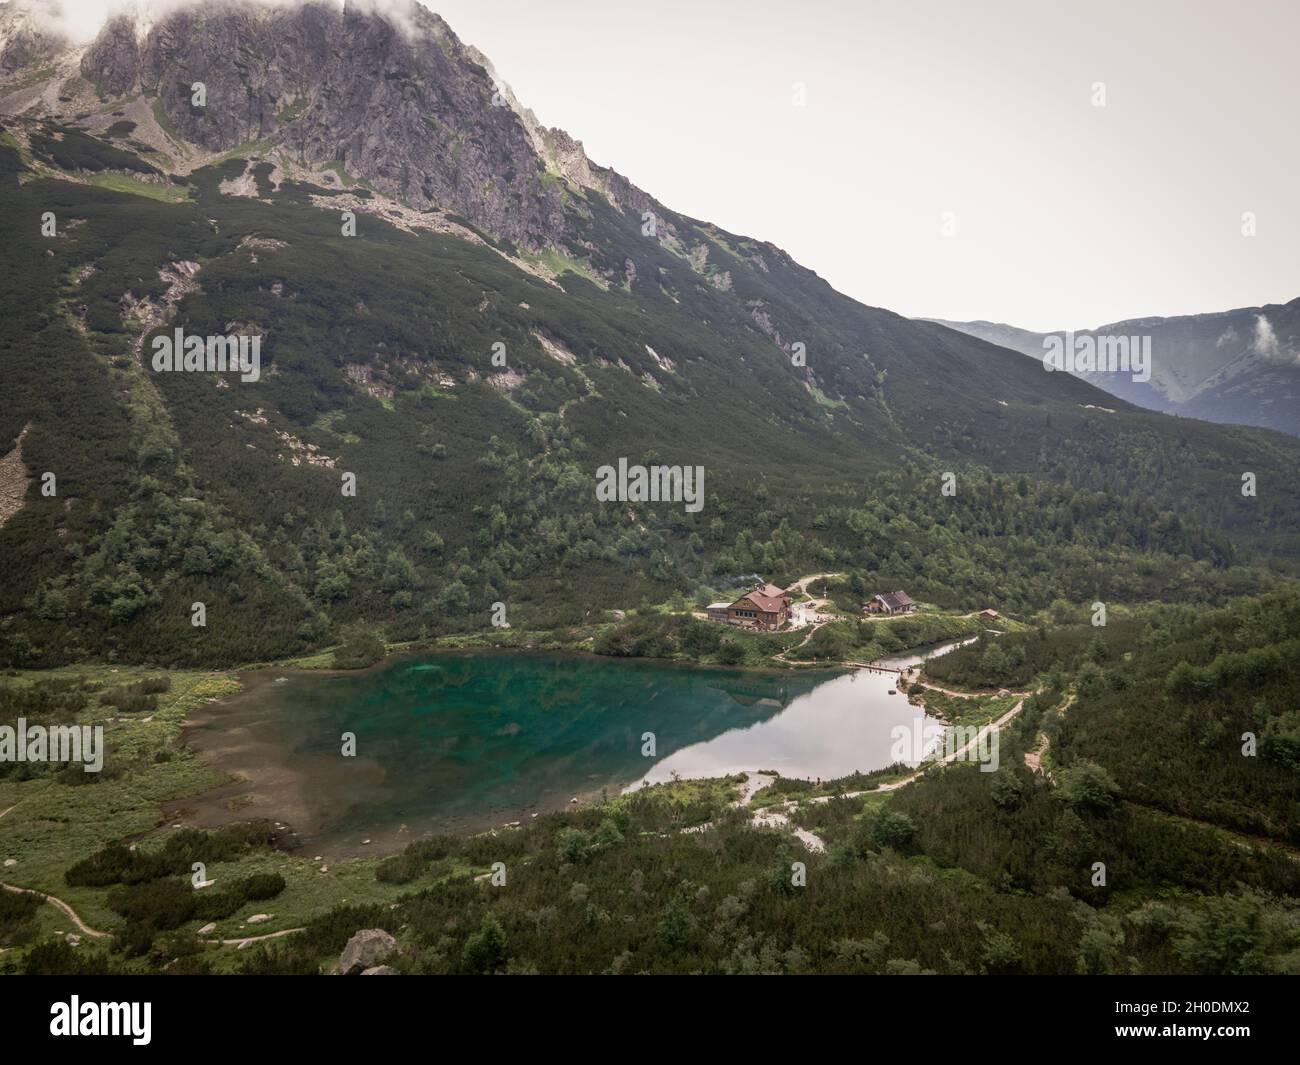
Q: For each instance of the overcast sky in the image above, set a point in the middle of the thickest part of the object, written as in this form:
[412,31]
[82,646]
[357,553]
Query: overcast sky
[1065,214]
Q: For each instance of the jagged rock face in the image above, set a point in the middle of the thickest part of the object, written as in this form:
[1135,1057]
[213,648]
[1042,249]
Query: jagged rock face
[403,106]
[112,62]
[365,950]
[23,41]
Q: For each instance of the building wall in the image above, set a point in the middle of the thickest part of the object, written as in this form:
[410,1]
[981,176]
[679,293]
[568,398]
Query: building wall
[877,608]
[754,617]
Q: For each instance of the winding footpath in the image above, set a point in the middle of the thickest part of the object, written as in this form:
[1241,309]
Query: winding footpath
[95,933]
[1034,756]
[15,806]
[926,686]
[765,817]
[817,605]
[60,905]
[774,815]
[242,943]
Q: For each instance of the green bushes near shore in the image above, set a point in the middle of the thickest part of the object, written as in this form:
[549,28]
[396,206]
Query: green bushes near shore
[360,653]
[868,640]
[164,905]
[418,858]
[46,698]
[140,697]
[794,788]
[223,902]
[119,864]
[686,637]
[17,917]
[659,636]
[51,701]
[1014,659]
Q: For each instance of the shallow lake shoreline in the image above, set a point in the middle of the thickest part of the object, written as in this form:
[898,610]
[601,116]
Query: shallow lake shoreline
[268,781]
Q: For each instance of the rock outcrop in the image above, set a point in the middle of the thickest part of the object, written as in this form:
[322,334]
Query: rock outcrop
[14,480]
[26,39]
[389,97]
[367,949]
[394,98]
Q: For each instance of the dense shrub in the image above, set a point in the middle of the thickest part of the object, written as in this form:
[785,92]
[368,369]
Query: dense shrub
[17,917]
[261,886]
[156,904]
[117,863]
[360,653]
[57,957]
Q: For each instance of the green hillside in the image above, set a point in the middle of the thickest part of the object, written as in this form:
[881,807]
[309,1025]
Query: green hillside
[475,485]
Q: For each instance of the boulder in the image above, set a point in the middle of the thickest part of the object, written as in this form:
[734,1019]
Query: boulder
[381,970]
[367,949]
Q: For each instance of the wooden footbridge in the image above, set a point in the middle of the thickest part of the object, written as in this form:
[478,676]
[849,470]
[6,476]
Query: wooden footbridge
[875,668]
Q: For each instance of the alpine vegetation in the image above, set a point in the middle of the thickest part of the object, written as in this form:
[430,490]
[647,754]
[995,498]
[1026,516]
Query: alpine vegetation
[21,742]
[651,484]
[213,354]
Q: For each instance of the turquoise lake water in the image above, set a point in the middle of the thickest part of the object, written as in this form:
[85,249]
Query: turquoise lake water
[465,741]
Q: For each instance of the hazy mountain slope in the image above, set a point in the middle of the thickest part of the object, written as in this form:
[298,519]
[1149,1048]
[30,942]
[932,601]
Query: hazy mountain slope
[1238,367]
[676,343]
[1024,341]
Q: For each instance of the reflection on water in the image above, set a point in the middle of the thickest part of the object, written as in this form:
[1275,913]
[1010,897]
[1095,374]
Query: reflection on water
[842,726]
[470,740]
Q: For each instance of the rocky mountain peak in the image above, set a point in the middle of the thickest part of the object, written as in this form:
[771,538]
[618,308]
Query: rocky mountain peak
[381,92]
[29,34]
[561,153]
[391,96]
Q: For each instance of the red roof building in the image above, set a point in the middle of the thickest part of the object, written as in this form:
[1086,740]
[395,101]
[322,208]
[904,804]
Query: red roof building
[767,607]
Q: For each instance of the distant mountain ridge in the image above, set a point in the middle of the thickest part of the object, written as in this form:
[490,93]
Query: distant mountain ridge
[1235,367]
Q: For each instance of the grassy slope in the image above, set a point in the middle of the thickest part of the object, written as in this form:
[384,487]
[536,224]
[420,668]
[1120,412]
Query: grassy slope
[505,481]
